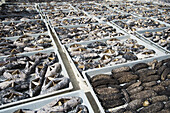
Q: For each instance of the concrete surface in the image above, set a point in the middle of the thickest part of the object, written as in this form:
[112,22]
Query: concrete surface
[76,81]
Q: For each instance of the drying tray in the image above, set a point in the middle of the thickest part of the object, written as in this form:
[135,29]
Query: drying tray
[105,18]
[159,52]
[103,13]
[33,7]
[31,20]
[31,14]
[63,72]
[30,17]
[83,25]
[53,5]
[140,35]
[137,18]
[35,36]
[107,70]
[165,18]
[51,15]
[40,103]
[61,21]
